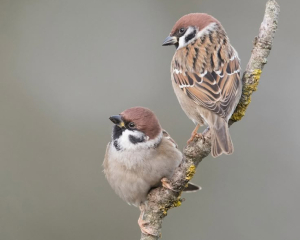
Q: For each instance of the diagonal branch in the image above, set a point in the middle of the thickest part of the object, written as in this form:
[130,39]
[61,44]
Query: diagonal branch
[160,200]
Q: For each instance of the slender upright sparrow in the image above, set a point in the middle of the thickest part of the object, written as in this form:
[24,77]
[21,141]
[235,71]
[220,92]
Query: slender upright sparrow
[205,73]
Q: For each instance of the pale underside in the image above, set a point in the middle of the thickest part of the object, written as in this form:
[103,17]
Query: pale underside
[133,173]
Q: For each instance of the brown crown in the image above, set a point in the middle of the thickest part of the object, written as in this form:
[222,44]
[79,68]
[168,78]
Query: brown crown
[144,120]
[200,20]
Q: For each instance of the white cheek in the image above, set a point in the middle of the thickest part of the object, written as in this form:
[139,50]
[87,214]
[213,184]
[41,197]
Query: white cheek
[124,141]
[125,144]
[204,31]
[132,155]
[182,42]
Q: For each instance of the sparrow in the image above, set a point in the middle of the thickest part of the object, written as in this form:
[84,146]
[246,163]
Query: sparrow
[140,156]
[205,74]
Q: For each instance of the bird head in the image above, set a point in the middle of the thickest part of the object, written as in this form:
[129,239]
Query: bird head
[136,127]
[189,28]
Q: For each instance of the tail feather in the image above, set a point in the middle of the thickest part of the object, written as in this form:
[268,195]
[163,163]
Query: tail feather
[191,187]
[221,140]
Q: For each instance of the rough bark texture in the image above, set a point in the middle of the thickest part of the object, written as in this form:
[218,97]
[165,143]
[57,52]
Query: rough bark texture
[160,200]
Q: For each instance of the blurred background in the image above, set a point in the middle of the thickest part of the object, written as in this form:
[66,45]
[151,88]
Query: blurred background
[66,66]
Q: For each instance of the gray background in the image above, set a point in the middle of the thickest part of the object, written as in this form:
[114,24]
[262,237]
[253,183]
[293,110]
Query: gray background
[66,66]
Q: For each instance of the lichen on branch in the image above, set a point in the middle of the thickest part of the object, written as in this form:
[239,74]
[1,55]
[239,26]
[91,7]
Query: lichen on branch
[248,89]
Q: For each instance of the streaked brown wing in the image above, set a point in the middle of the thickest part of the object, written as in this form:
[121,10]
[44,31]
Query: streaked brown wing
[214,90]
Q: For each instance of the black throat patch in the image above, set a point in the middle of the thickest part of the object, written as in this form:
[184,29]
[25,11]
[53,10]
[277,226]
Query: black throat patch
[117,132]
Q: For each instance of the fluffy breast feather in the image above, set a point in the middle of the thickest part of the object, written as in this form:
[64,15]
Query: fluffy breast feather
[132,182]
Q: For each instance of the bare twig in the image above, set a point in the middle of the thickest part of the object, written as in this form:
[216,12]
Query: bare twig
[160,200]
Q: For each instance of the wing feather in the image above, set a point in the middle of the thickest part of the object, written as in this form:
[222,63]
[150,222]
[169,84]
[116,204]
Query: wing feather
[215,90]
[167,136]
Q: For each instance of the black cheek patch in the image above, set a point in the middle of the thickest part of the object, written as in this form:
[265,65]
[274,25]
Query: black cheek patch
[190,36]
[136,140]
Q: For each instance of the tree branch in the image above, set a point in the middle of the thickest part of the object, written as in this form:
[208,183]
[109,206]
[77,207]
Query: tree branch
[160,200]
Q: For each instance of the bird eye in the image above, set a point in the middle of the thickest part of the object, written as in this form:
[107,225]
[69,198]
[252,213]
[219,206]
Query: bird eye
[181,30]
[131,125]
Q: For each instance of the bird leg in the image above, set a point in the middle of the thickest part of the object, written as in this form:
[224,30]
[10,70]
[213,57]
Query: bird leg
[166,184]
[195,134]
[145,229]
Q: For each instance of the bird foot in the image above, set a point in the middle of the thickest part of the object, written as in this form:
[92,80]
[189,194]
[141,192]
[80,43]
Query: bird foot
[195,136]
[166,183]
[145,228]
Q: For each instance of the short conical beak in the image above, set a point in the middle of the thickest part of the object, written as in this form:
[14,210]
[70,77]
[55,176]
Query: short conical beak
[170,41]
[117,119]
